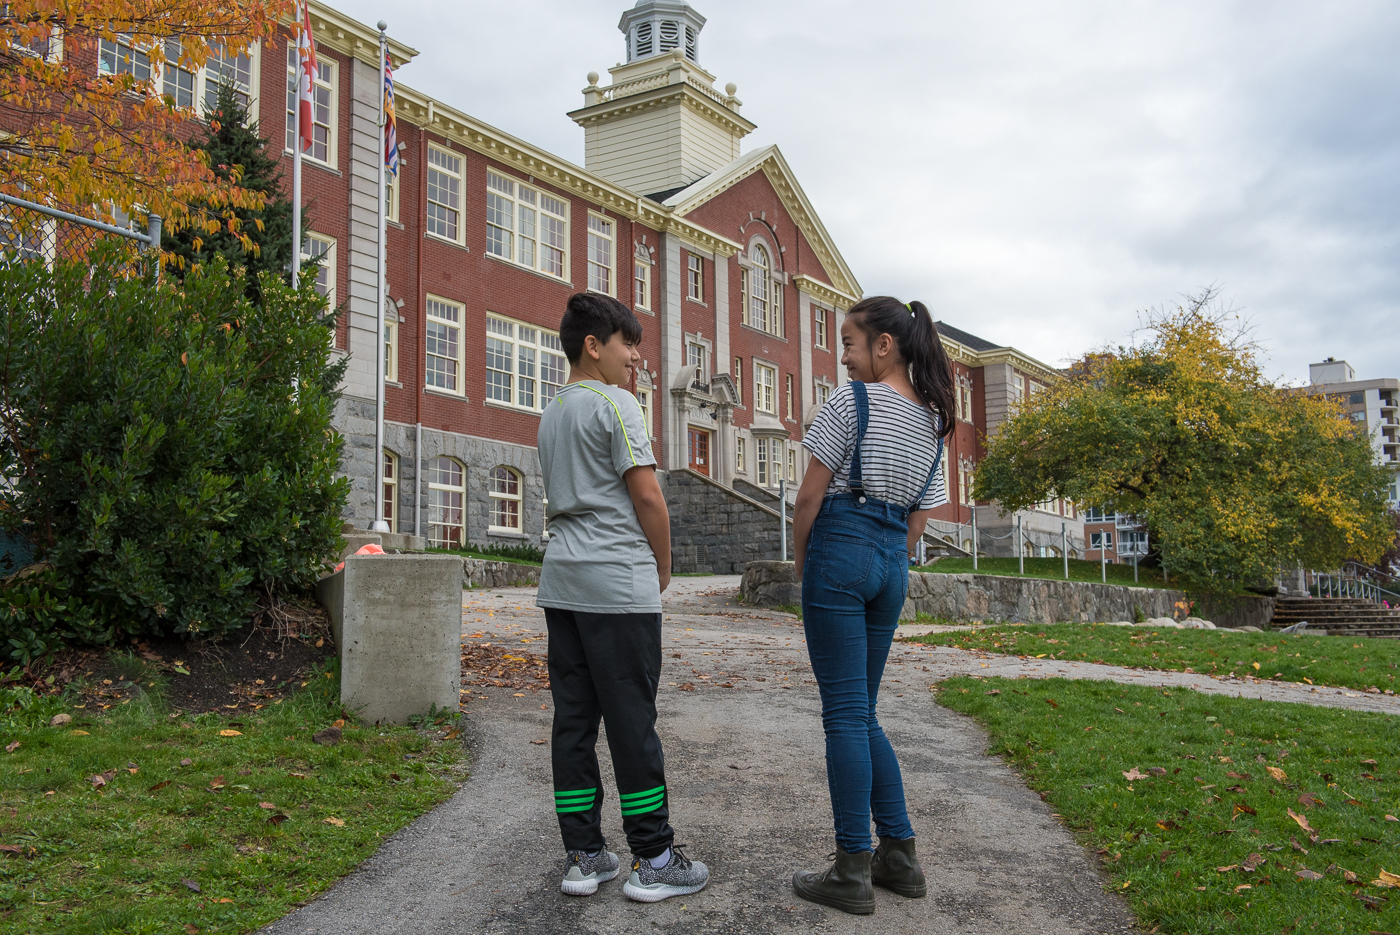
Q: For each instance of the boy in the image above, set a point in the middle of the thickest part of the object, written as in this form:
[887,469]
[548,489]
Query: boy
[609,559]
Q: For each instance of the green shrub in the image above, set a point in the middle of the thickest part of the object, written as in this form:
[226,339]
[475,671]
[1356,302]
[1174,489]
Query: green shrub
[169,449]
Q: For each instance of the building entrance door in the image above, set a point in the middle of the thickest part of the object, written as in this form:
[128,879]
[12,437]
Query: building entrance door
[700,451]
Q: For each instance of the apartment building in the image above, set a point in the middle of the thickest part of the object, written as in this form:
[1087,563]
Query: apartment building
[1374,405]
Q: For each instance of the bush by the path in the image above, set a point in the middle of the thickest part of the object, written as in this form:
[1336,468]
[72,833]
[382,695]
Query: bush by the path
[169,450]
[143,820]
[1203,837]
[1305,658]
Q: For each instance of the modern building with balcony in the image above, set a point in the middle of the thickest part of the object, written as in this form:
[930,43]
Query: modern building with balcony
[1374,405]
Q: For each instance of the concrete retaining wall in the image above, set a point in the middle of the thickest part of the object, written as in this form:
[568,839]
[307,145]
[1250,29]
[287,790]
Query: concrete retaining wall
[976,598]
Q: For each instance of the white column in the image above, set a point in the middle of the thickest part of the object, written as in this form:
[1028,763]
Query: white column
[672,351]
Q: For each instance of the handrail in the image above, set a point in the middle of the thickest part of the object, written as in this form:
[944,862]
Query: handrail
[1334,585]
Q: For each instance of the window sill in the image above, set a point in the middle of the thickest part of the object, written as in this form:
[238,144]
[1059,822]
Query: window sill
[392,223]
[308,161]
[525,269]
[447,394]
[644,311]
[766,334]
[497,404]
[818,347]
[394,383]
[429,235]
[503,533]
[700,302]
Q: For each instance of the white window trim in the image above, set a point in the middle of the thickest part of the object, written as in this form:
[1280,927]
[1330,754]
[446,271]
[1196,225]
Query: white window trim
[693,291]
[391,351]
[818,385]
[540,346]
[202,83]
[821,316]
[459,324]
[760,367]
[773,323]
[55,50]
[433,485]
[461,176]
[612,253]
[566,217]
[391,190]
[328,261]
[333,128]
[644,400]
[493,496]
[392,499]
[641,257]
[740,467]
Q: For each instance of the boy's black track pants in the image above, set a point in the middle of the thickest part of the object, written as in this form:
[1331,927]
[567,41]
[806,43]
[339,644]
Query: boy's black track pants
[607,666]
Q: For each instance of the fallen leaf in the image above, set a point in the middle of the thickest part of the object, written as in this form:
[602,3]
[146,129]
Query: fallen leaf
[1227,869]
[1132,775]
[1156,770]
[1168,825]
[393,776]
[338,822]
[1252,862]
[1243,886]
[216,784]
[159,786]
[1368,762]
[1387,879]
[80,733]
[1241,807]
[1052,702]
[1391,818]
[12,746]
[267,805]
[191,884]
[1302,822]
[11,849]
[60,719]
[1297,846]
[1276,773]
[230,733]
[1306,874]
[690,687]
[191,929]
[994,691]
[1308,800]
[328,737]
[277,819]
[538,742]
[223,899]
[340,722]
[186,762]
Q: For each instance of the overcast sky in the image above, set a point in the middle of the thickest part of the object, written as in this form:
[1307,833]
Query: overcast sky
[1036,172]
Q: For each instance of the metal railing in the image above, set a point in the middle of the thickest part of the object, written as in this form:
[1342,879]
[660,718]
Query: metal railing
[1343,585]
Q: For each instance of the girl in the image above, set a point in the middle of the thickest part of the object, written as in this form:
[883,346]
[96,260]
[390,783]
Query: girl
[870,486]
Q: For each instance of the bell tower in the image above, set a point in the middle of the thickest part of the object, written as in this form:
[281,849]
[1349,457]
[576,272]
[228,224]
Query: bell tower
[661,124]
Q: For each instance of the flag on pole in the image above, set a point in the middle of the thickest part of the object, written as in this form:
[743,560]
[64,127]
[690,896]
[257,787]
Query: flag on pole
[306,72]
[391,135]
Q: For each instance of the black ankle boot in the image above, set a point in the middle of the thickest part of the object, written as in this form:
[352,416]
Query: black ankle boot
[895,868]
[845,885]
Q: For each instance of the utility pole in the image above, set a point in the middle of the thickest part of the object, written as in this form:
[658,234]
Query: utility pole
[974,537]
[1064,547]
[782,516]
[1020,546]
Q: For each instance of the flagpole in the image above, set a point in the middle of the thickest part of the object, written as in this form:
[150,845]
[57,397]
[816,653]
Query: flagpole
[381,287]
[296,159]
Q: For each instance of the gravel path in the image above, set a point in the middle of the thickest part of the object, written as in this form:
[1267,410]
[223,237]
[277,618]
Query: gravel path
[746,769]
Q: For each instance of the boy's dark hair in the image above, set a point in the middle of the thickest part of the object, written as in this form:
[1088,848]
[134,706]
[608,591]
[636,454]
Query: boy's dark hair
[599,315]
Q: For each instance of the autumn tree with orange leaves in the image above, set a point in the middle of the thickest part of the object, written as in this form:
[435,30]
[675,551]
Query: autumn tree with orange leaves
[90,142]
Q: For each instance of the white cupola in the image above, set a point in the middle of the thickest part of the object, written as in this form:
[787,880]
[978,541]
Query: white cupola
[656,26]
[661,124]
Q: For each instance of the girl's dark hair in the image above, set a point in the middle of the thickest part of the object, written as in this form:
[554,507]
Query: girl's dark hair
[599,315]
[913,331]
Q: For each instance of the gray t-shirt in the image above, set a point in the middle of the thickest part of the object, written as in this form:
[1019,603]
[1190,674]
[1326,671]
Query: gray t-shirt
[598,559]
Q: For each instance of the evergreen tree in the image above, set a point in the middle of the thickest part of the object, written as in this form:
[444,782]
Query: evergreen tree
[258,240]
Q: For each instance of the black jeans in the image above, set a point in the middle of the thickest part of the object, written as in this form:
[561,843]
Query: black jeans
[608,667]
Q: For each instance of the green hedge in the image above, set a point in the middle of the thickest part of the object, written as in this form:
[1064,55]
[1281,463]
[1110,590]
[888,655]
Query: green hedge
[169,448]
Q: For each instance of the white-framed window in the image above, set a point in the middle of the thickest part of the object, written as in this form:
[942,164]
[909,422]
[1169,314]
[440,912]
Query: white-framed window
[792,465]
[769,461]
[787,388]
[321,248]
[506,498]
[444,194]
[1101,540]
[644,401]
[600,254]
[739,380]
[1097,514]
[762,293]
[447,495]
[390,513]
[697,359]
[528,226]
[965,484]
[442,340]
[1018,387]
[47,44]
[823,393]
[186,88]
[695,277]
[739,455]
[641,278]
[820,319]
[765,388]
[391,351]
[391,193]
[525,365]
[120,57]
[322,107]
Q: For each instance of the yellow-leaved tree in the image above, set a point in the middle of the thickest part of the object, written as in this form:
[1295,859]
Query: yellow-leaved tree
[1234,475]
[86,123]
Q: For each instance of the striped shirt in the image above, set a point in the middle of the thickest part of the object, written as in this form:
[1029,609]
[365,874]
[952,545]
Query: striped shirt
[898,452]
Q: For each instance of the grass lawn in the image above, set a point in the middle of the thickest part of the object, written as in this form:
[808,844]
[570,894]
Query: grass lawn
[470,553]
[137,820]
[1317,660]
[1201,838]
[1079,570]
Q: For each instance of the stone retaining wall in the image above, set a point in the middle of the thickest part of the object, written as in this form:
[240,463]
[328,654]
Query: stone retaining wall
[482,573]
[976,598]
[716,529]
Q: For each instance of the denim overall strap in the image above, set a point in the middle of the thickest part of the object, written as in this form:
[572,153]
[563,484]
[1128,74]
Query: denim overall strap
[854,480]
[937,460]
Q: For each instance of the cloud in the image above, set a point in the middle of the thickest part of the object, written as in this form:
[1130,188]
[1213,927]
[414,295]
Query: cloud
[1036,172]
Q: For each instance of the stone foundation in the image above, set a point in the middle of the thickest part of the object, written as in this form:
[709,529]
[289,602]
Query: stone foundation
[716,529]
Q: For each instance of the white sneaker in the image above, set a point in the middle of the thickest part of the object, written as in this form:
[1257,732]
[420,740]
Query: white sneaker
[582,873]
[681,877]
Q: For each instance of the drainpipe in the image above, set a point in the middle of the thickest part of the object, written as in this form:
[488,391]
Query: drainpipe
[417,474]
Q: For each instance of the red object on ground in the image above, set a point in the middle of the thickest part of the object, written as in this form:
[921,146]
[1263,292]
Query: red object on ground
[370,549]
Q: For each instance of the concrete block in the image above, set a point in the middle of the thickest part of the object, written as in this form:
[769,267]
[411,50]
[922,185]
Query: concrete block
[356,541]
[330,593]
[400,640]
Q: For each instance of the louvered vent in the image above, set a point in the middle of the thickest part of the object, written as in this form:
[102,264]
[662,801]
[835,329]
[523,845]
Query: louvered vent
[670,35]
[641,44]
[690,43]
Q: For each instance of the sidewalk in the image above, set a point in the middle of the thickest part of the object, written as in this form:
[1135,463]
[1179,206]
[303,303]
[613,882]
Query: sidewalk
[746,769]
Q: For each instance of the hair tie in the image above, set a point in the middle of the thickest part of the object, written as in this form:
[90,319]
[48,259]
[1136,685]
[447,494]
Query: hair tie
[911,309]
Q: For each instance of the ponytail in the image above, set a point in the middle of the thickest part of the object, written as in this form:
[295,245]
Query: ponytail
[912,328]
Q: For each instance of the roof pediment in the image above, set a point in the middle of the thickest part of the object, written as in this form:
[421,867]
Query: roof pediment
[769,160]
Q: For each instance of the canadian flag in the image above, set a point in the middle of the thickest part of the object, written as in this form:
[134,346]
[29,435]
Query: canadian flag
[306,71]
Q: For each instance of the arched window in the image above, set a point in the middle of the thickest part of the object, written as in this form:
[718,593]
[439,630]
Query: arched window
[763,293]
[505,499]
[446,495]
[391,490]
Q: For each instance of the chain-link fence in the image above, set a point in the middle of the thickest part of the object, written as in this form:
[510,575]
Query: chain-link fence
[32,232]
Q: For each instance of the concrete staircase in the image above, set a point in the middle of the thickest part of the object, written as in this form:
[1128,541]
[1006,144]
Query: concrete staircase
[1339,616]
